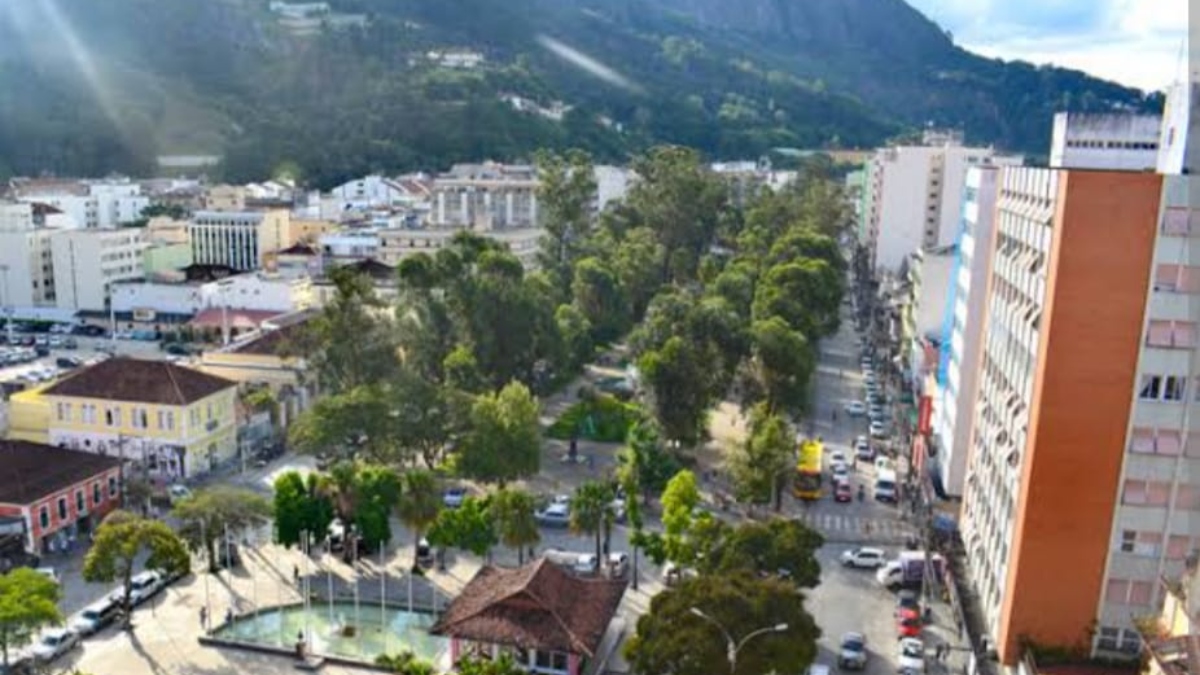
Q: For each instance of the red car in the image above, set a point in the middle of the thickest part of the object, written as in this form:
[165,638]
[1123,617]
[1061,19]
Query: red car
[908,623]
[842,492]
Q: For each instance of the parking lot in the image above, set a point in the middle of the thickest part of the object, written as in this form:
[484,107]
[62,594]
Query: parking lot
[39,358]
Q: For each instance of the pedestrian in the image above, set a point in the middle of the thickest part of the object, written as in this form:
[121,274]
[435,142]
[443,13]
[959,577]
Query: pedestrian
[229,616]
[296,574]
[204,618]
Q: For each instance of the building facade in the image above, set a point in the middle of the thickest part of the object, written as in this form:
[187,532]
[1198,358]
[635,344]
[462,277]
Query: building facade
[87,263]
[1069,286]
[916,197]
[258,291]
[171,422]
[240,239]
[395,245]
[92,205]
[1112,141]
[958,370]
[486,196]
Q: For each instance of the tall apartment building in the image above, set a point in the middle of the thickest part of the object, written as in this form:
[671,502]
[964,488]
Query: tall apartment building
[916,196]
[1081,478]
[93,205]
[26,268]
[1115,141]
[958,369]
[486,196]
[87,263]
[242,240]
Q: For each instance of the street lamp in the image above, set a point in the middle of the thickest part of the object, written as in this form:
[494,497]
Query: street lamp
[732,648]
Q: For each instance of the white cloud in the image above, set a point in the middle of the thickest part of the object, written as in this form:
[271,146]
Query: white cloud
[1135,42]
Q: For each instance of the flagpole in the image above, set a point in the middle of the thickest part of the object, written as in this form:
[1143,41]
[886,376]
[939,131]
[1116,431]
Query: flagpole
[383,596]
[329,583]
[307,586]
[357,611]
[207,601]
[228,565]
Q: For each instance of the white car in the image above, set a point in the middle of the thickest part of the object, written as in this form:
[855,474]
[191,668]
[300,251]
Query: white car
[837,457]
[864,558]
[878,430]
[453,497]
[54,643]
[853,652]
[862,448]
[885,464]
[50,573]
[855,408]
[554,515]
[95,616]
[178,492]
[911,656]
[143,586]
[840,472]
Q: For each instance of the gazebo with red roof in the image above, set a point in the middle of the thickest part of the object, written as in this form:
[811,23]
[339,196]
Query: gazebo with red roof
[550,621]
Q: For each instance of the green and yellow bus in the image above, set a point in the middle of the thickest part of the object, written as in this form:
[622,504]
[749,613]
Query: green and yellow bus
[807,482]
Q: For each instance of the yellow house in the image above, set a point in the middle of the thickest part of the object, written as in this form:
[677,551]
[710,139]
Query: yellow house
[1173,641]
[268,357]
[29,416]
[172,422]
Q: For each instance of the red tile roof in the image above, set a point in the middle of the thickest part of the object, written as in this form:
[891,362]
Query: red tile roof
[140,381]
[538,606]
[272,342]
[32,471]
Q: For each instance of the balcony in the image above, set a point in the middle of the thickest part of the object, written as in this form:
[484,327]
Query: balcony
[1168,654]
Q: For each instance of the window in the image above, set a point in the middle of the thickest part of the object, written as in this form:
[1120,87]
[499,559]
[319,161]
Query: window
[62,508]
[1188,498]
[1134,492]
[1148,544]
[1142,441]
[1151,386]
[1173,388]
[1128,540]
[1117,591]
[1177,547]
[44,517]
[1131,642]
[1141,593]
[1169,443]
[80,501]
[97,494]
[112,487]
[170,420]
[1158,493]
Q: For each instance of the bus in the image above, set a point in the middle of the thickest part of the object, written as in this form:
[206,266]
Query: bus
[807,482]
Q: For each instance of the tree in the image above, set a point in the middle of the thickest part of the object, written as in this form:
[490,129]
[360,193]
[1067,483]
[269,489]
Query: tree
[376,494]
[340,485]
[771,547]
[121,539]
[420,502]
[349,344]
[28,602]
[599,297]
[761,463]
[209,514]
[354,422]
[677,379]
[781,367]
[806,294]
[471,527]
[644,466]
[513,511]
[638,264]
[422,417]
[576,333]
[405,663]
[589,507]
[566,188]
[300,505]
[503,441]
[672,640]
[683,527]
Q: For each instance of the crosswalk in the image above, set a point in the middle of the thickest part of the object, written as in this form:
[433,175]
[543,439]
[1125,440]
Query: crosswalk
[837,526]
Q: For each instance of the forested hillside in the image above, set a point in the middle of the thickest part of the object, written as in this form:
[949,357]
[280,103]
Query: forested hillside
[92,87]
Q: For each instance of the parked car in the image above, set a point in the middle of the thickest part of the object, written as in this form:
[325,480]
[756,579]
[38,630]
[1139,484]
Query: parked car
[908,623]
[453,497]
[840,472]
[910,656]
[335,535]
[907,599]
[878,430]
[556,514]
[95,616]
[864,558]
[178,492]
[68,362]
[54,643]
[853,652]
[49,572]
[673,574]
[863,450]
[144,586]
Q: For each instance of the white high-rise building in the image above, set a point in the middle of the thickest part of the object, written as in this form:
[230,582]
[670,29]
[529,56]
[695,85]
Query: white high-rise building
[958,369]
[238,239]
[1106,141]
[91,204]
[86,263]
[916,196]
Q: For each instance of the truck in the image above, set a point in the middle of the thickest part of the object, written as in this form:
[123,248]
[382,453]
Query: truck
[908,570]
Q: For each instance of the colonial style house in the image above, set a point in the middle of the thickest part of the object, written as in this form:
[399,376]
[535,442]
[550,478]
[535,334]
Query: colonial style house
[550,621]
[59,494]
[173,422]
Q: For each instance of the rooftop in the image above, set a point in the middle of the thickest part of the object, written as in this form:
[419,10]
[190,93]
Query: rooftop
[241,319]
[537,606]
[271,342]
[140,381]
[30,471]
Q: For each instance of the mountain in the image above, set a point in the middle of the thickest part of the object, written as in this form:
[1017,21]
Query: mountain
[93,87]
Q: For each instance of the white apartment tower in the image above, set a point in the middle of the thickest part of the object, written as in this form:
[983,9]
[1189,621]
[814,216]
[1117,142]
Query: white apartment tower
[238,239]
[1110,141]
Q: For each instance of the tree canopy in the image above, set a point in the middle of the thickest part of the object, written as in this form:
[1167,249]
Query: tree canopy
[122,540]
[28,602]
[212,513]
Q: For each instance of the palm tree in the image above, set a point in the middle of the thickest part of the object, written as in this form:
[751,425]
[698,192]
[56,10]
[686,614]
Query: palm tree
[339,487]
[589,509]
[515,522]
[419,504]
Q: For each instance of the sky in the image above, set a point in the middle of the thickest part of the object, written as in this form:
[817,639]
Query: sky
[1134,42]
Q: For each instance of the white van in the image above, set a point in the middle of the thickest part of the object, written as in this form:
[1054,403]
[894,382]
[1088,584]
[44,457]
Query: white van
[885,486]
